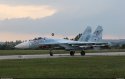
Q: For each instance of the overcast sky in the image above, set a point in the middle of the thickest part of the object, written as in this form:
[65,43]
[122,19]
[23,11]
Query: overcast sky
[26,19]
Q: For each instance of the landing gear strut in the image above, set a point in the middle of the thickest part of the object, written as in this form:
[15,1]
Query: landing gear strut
[72,53]
[82,53]
[51,53]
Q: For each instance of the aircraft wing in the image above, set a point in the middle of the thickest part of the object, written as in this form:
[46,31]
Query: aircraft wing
[73,45]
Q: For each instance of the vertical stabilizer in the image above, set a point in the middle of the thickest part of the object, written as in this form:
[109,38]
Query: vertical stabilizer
[86,34]
[97,35]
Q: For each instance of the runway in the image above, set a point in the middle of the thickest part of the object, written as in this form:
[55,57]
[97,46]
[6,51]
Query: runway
[60,55]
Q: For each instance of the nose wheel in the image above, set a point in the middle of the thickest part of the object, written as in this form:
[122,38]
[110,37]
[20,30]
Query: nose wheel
[51,53]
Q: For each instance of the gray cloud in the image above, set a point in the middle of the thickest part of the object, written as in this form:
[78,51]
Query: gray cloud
[72,18]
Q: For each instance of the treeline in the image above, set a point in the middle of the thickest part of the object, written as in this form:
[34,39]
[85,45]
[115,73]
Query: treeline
[76,38]
[9,45]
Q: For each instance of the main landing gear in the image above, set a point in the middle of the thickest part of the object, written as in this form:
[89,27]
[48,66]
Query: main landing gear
[73,52]
[82,53]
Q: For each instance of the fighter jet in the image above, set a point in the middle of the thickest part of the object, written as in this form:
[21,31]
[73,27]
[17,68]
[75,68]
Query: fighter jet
[50,43]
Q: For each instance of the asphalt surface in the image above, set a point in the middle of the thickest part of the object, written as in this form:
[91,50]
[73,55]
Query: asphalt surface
[60,55]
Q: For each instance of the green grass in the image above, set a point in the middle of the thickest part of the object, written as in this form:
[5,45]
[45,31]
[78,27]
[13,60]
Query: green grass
[32,52]
[28,52]
[83,67]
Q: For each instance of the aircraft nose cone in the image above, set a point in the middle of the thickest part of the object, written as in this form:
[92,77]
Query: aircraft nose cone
[24,45]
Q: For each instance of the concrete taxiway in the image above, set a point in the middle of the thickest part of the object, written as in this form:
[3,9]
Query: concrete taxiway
[60,55]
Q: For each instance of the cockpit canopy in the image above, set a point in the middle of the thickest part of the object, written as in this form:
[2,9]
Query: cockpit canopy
[38,38]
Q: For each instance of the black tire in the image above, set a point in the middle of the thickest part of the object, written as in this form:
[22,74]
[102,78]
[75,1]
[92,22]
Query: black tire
[51,53]
[72,53]
[82,53]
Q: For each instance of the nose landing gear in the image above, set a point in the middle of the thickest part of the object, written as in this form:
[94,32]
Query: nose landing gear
[51,53]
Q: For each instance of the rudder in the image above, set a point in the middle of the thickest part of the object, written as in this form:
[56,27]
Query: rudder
[86,35]
[97,35]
